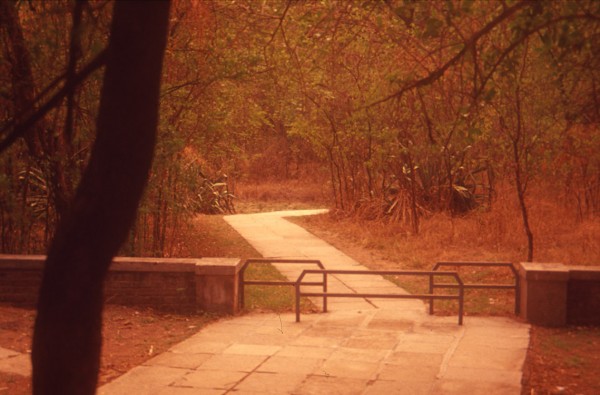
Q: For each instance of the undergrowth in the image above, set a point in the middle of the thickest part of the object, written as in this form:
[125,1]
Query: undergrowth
[280,195]
[492,235]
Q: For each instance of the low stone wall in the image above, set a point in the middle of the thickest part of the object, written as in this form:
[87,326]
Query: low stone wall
[553,294]
[583,296]
[185,285]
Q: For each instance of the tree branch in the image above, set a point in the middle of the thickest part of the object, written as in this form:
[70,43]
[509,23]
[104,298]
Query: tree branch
[19,130]
[439,72]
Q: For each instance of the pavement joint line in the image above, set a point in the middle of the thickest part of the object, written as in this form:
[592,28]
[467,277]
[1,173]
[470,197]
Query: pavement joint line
[353,290]
[366,322]
[232,389]
[450,353]
[385,358]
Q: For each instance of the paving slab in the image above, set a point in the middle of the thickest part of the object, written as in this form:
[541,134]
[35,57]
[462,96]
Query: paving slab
[15,362]
[178,360]
[360,346]
[233,362]
[418,373]
[211,379]
[6,353]
[324,384]
[371,340]
[144,380]
[401,387]
[282,364]
[251,349]
[270,383]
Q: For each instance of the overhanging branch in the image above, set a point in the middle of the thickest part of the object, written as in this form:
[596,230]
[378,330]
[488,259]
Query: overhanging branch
[19,129]
[470,43]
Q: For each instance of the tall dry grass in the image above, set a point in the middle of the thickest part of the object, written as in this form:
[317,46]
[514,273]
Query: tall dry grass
[279,195]
[496,234]
[559,236]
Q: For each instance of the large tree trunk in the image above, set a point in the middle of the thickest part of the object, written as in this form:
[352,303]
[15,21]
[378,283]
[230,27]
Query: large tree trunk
[67,338]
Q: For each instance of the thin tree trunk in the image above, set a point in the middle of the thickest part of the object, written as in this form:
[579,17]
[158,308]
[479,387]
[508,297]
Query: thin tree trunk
[522,203]
[517,153]
[413,196]
[332,173]
[525,216]
[67,336]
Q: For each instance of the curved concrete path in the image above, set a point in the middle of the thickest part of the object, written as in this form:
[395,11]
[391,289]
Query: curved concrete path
[378,346]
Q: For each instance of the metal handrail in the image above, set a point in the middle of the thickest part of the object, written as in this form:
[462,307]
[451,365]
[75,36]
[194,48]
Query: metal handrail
[516,285]
[247,262]
[430,296]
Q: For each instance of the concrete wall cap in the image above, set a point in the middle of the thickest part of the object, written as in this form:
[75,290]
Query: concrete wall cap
[558,272]
[585,273]
[27,262]
[143,264]
[544,271]
[218,266]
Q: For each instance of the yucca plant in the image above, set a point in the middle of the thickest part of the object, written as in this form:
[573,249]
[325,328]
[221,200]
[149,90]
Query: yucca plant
[214,197]
[37,196]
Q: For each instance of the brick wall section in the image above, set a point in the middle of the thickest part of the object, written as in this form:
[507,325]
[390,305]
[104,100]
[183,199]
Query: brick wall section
[20,287]
[182,285]
[20,278]
[161,290]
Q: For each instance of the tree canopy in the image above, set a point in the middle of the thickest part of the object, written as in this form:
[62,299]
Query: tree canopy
[403,108]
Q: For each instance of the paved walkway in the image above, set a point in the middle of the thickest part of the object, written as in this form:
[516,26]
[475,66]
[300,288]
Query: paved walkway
[377,346]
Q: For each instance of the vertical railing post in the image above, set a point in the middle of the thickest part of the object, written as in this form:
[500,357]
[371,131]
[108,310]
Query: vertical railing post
[517,295]
[461,300]
[242,284]
[431,293]
[324,292]
[297,286]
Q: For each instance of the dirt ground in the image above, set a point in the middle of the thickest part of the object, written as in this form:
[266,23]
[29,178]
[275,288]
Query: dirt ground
[563,361]
[131,336]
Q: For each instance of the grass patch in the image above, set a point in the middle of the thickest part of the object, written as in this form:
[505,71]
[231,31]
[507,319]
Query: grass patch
[271,297]
[412,284]
[211,236]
